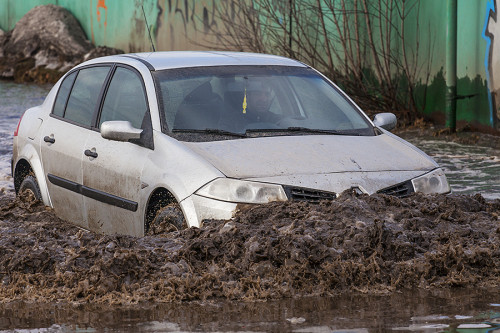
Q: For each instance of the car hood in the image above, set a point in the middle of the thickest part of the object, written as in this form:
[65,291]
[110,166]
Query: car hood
[311,154]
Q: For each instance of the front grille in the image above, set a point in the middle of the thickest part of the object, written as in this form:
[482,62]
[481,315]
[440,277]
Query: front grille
[304,194]
[399,190]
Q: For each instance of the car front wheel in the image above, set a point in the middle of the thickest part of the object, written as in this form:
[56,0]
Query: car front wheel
[169,218]
[29,189]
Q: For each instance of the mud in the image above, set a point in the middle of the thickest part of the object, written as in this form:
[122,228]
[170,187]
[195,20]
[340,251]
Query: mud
[369,244]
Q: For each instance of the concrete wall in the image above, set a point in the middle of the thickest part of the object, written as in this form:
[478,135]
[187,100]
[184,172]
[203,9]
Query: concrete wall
[175,24]
[472,49]
[183,25]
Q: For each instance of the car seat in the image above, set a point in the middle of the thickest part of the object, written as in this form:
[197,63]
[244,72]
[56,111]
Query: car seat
[200,109]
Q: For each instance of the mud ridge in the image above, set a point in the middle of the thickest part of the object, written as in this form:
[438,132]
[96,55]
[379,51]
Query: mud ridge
[370,244]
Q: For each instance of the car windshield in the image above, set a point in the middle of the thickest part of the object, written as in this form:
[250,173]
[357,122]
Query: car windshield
[239,100]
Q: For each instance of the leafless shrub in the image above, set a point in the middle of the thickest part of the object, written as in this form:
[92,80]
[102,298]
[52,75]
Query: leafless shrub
[361,45]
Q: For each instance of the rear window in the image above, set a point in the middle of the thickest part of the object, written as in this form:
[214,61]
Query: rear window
[79,93]
[62,95]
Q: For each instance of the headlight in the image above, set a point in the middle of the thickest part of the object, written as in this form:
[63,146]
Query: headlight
[432,182]
[240,191]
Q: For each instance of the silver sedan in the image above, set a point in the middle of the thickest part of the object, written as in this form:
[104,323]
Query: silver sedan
[122,143]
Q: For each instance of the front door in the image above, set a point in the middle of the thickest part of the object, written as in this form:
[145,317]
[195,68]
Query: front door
[114,197]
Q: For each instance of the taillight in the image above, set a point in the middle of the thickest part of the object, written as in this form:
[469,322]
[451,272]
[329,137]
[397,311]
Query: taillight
[18,124]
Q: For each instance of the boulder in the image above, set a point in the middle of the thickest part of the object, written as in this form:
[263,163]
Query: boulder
[44,44]
[3,40]
[49,29]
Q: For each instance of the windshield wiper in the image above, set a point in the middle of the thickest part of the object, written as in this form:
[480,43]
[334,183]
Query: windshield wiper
[209,131]
[313,130]
[303,130]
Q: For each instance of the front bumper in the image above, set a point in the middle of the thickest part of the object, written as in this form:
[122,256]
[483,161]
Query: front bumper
[198,208]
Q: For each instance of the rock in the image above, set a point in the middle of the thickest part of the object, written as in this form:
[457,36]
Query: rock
[229,226]
[44,44]
[296,320]
[111,246]
[2,40]
[50,29]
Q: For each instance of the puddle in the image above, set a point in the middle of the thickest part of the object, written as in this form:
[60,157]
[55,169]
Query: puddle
[15,99]
[414,311]
[470,169]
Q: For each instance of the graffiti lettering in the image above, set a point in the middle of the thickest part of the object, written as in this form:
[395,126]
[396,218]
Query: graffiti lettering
[190,14]
[102,4]
[182,23]
[492,61]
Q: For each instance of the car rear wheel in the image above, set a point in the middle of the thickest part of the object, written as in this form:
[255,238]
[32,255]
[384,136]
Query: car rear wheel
[29,189]
[169,218]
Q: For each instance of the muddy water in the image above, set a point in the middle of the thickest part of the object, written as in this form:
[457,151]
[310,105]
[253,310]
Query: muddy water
[419,311]
[14,100]
[471,161]
[469,168]
[424,263]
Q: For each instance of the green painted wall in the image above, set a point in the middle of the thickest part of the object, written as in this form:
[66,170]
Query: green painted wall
[115,23]
[176,25]
[471,50]
[182,25]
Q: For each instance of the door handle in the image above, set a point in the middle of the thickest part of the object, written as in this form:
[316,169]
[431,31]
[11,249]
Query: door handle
[90,153]
[49,139]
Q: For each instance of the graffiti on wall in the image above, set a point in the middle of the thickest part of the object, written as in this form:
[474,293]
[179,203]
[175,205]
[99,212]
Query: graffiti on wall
[101,4]
[185,24]
[492,60]
[174,24]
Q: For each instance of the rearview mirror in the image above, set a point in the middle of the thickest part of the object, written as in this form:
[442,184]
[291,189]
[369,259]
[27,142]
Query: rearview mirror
[385,120]
[118,130]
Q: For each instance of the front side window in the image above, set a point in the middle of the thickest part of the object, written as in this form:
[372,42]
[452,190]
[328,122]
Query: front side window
[84,96]
[125,98]
[253,99]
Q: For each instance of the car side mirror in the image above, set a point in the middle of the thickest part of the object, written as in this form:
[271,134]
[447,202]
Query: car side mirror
[118,130]
[385,120]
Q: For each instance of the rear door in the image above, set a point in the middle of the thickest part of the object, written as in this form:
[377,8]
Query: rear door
[114,192]
[64,135]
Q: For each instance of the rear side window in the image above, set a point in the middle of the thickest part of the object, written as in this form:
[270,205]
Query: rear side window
[62,95]
[85,95]
[125,99]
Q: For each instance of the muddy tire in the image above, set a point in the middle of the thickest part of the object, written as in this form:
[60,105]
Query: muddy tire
[169,218]
[29,189]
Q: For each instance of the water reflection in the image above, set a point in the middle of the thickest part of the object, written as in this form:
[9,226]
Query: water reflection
[417,311]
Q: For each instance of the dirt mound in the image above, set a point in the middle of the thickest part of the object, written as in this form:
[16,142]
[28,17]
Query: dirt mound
[44,44]
[361,243]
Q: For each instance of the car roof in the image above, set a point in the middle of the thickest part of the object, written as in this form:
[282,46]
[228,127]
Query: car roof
[181,59]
